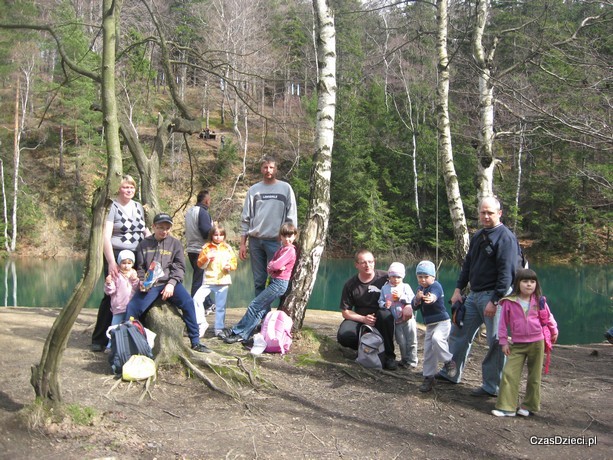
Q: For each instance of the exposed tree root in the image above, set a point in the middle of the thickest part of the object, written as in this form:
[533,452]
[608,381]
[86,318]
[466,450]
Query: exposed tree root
[219,373]
[208,382]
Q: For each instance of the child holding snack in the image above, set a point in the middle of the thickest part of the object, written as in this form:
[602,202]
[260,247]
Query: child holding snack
[430,299]
[218,259]
[396,296]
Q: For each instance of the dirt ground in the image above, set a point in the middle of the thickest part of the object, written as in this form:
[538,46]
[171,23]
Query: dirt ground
[313,410]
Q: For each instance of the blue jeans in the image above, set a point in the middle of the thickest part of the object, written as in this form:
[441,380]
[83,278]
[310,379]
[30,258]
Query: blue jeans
[261,252]
[142,301]
[221,297]
[461,340]
[259,306]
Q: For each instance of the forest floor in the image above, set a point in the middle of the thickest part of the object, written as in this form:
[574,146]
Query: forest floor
[321,405]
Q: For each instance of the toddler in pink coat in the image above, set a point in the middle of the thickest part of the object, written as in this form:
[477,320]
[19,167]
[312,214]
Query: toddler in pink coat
[526,314]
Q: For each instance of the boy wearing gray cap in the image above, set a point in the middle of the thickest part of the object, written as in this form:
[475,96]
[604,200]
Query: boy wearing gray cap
[430,299]
[396,296]
[166,252]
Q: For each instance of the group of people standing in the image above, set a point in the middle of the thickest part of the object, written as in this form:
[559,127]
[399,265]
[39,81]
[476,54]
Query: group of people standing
[502,295]
[268,225]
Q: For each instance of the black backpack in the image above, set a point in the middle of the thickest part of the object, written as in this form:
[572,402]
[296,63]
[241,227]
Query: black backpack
[128,339]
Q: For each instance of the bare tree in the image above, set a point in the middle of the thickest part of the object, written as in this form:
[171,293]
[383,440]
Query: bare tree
[22,98]
[46,375]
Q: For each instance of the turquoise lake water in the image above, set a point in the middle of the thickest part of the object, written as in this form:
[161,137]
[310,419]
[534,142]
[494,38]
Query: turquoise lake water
[580,297]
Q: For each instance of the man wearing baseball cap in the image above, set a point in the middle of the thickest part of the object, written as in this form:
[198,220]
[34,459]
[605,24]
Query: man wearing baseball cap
[166,252]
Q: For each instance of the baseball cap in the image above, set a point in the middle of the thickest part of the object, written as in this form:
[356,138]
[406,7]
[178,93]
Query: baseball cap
[162,217]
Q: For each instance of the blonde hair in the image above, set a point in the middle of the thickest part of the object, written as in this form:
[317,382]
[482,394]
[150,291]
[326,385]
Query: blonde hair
[126,178]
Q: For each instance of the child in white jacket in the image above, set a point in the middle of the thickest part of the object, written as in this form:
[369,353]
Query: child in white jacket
[396,296]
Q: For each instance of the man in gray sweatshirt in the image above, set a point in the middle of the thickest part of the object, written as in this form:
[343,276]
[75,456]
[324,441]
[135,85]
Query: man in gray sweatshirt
[269,204]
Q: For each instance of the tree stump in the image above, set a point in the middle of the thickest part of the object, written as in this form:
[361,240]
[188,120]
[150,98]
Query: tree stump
[223,373]
[165,320]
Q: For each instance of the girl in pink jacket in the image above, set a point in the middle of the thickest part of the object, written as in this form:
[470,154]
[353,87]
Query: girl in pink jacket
[121,287]
[526,313]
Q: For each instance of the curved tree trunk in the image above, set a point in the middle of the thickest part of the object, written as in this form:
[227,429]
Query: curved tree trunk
[45,376]
[315,229]
[485,153]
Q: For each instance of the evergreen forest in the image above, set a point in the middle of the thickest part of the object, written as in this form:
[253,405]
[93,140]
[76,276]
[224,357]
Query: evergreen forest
[246,71]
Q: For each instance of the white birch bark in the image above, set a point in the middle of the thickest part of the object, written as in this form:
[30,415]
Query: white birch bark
[485,155]
[410,125]
[520,152]
[454,200]
[315,228]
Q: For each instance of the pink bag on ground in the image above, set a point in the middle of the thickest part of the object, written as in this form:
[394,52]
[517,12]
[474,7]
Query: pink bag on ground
[277,332]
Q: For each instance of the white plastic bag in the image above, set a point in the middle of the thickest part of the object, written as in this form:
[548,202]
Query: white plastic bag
[138,367]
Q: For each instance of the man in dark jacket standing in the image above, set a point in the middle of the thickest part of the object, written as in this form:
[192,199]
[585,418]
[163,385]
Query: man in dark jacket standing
[489,267]
[198,224]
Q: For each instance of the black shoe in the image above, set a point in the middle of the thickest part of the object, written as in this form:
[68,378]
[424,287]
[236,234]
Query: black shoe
[248,344]
[481,392]
[390,364]
[225,332]
[234,338]
[98,348]
[451,369]
[427,384]
[443,379]
[201,348]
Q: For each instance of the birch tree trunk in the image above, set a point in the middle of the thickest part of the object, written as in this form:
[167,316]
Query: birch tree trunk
[46,375]
[4,206]
[520,152]
[454,200]
[410,125]
[485,154]
[315,228]
[16,154]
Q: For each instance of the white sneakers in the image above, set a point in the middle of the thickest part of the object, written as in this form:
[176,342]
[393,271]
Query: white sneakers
[507,413]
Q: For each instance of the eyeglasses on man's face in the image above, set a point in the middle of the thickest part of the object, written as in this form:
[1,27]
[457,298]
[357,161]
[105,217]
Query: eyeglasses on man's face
[366,262]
